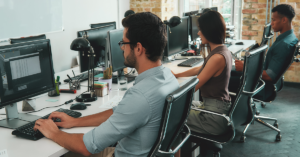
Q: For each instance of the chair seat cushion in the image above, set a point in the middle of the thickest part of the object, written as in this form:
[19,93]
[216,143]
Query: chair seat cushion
[224,138]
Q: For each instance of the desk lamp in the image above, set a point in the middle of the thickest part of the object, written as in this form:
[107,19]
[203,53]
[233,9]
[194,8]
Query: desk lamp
[129,12]
[82,44]
[173,22]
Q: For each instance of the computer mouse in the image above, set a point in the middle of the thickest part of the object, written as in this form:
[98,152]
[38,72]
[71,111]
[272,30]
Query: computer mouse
[78,106]
[239,43]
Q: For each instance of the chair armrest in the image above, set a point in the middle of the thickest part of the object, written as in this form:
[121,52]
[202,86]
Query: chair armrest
[214,113]
[172,152]
[257,90]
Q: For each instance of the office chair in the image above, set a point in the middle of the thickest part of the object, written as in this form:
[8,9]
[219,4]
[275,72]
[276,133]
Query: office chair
[258,63]
[276,85]
[176,109]
[27,39]
[241,112]
[267,35]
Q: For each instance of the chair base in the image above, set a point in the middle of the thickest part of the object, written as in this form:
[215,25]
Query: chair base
[260,119]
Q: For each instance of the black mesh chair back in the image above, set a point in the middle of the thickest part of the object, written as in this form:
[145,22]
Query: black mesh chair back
[252,72]
[96,25]
[174,116]
[268,34]
[27,39]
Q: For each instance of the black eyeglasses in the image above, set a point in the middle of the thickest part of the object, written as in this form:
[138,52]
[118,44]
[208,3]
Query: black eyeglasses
[121,43]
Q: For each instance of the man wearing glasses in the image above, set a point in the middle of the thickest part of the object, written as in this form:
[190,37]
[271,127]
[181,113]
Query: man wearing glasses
[135,122]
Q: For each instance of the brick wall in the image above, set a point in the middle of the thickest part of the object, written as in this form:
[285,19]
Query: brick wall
[162,8]
[254,15]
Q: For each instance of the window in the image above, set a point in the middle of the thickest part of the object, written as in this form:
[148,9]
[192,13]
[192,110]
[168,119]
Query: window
[230,10]
[196,4]
[224,8]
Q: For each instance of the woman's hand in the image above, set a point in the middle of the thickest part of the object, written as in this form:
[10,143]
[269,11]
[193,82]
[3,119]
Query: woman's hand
[239,65]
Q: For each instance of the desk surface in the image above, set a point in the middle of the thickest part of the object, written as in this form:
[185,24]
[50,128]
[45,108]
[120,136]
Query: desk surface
[44,147]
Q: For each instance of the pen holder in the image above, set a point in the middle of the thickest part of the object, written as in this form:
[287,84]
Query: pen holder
[54,92]
[74,85]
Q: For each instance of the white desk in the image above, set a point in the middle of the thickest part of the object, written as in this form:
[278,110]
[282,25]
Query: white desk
[18,147]
[235,48]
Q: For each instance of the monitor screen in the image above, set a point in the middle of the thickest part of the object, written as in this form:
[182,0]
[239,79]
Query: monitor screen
[95,25]
[97,38]
[194,26]
[178,39]
[116,55]
[26,71]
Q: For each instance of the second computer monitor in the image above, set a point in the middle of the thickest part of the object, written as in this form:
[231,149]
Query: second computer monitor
[27,39]
[116,55]
[97,38]
[96,25]
[178,38]
[194,26]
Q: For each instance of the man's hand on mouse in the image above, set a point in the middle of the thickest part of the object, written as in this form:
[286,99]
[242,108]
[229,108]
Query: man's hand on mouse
[47,127]
[66,120]
[239,65]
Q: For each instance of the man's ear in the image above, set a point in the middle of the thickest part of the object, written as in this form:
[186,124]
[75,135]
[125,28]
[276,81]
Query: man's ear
[139,49]
[285,20]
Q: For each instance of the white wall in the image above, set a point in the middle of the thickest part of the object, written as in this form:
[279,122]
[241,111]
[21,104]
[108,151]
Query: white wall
[124,6]
[78,15]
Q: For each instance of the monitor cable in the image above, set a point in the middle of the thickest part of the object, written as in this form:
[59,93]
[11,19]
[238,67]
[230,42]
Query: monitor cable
[67,102]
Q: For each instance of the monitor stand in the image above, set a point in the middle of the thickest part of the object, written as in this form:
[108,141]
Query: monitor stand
[14,119]
[130,78]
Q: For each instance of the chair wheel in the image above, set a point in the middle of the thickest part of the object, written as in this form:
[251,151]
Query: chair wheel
[257,112]
[278,137]
[243,138]
[263,105]
[275,124]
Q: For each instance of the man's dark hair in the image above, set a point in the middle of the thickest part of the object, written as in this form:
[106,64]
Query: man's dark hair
[212,26]
[148,29]
[285,10]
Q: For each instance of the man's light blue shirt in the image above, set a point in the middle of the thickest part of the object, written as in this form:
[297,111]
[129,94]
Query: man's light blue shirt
[278,53]
[136,120]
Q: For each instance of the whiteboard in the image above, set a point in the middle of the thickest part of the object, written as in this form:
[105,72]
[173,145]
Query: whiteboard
[22,18]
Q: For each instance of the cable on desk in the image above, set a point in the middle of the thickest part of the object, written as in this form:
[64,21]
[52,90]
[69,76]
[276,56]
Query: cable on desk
[67,102]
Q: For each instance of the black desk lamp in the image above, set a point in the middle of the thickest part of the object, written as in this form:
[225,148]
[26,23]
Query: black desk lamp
[173,22]
[82,44]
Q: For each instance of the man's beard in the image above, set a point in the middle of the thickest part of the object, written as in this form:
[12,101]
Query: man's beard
[130,60]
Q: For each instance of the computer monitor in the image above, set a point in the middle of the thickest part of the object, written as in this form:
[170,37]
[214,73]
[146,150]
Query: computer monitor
[27,39]
[97,38]
[116,55]
[96,25]
[194,28]
[267,34]
[26,71]
[214,8]
[191,13]
[178,38]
